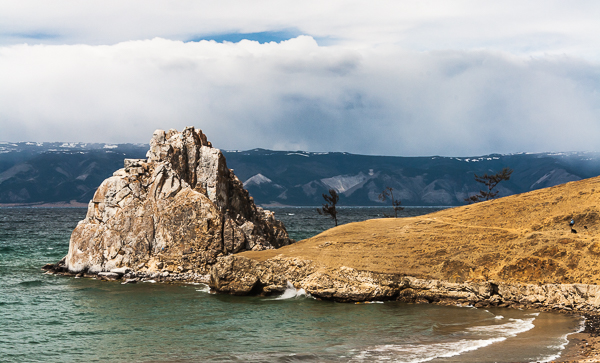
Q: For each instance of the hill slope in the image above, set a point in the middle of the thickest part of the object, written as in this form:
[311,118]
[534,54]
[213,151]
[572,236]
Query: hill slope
[523,238]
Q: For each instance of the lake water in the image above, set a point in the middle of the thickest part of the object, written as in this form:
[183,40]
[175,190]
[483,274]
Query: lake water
[47,318]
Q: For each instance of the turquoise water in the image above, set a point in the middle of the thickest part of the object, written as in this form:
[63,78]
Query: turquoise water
[47,318]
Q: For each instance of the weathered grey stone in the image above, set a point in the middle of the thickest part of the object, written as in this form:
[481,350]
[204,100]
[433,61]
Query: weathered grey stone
[109,274]
[177,211]
[240,275]
[128,163]
[121,270]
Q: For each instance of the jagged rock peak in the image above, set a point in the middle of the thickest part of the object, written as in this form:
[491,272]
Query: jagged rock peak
[176,211]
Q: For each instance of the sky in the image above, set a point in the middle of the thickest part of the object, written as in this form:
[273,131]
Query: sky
[404,78]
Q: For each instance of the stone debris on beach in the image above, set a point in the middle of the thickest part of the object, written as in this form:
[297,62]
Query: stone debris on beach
[175,212]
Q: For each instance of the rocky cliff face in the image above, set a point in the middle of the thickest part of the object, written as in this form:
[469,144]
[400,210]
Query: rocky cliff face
[240,275]
[174,212]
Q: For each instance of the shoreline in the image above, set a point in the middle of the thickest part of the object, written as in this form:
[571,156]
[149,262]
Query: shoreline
[583,346]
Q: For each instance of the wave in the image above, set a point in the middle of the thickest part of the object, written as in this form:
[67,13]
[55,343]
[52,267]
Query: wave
[2,303]
[6,249]
[291,293]
[510,329]
[32,283]
[564,341]
[417,353]
[203,288]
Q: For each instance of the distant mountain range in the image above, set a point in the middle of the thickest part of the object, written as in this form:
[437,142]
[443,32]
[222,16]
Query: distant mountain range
[35,173]
[58,172]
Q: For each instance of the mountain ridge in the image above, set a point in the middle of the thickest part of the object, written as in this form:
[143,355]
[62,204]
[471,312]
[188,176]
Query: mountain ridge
[36,173]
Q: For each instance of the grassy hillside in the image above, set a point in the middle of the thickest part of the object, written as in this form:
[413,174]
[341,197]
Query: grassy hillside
[521,238]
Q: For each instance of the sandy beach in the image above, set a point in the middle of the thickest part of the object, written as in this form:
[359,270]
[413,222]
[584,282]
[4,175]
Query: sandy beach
[584,347]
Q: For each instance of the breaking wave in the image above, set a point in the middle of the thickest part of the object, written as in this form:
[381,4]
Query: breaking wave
[416,353]
[292,293]
[564,340]
[203,288]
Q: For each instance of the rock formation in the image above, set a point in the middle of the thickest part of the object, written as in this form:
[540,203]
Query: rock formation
[516,251]
[182,215]
[240,275]
[175,212]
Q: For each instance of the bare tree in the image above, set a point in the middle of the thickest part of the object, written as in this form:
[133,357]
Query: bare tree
[329,207]
[388,192]
[490,181]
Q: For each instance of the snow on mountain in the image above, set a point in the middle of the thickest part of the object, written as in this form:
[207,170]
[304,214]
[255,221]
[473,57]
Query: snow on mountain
[554,177]
[257,179]
[342,183]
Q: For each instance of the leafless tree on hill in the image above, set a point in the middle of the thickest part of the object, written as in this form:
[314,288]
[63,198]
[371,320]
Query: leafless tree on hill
[388,192]
[490,181]
[329,207]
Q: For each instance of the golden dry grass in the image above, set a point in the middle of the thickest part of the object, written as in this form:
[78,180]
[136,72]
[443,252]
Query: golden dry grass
[521,238]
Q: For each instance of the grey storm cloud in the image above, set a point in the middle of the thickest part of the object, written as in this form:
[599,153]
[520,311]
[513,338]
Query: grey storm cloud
[298,95]
[398,77]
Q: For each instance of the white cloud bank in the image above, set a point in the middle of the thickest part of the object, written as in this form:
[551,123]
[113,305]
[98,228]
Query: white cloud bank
[299,95]
[515,26]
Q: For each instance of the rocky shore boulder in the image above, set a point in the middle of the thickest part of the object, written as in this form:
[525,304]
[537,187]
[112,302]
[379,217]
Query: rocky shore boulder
[176,211]
[239,275]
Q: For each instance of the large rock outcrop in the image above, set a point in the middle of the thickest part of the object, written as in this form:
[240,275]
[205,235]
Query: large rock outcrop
[175,212]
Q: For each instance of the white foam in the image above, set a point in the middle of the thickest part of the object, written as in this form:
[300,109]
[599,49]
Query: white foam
[204,288]
[561,346]
[498,317]
[291,293]
[150,281]
[417,353]
[510,329]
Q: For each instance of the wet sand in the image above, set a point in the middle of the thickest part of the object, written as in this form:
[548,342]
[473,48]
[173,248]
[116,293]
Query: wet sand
[584,347]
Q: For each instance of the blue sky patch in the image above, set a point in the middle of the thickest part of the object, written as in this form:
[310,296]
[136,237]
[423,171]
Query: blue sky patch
[35,35]
[261,37]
